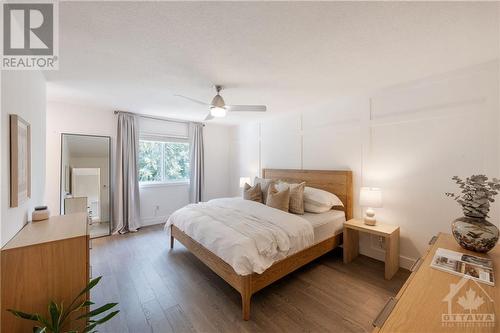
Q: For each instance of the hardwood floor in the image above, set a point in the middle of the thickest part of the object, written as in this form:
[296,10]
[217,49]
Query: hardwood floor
[171,291]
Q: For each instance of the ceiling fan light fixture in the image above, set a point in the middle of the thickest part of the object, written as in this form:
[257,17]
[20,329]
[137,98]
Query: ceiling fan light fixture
[218,101]
[218,112]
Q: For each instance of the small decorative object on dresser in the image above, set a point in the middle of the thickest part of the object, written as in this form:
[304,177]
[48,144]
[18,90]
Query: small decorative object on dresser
[40,213]
[472,231]
[370,197]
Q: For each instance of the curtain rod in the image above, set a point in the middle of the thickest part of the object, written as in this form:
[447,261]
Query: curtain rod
[159,118]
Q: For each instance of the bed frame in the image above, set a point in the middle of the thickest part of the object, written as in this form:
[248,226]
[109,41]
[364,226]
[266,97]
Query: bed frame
[337,182]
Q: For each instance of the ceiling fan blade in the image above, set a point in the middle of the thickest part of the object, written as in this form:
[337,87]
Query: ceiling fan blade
[193,100]
[249,108]
[209,117]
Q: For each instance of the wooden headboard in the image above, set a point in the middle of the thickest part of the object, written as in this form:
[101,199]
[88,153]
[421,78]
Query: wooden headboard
[334,181]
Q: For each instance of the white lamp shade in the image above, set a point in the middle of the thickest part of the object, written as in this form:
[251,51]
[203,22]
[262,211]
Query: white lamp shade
[244,180]
[370,197]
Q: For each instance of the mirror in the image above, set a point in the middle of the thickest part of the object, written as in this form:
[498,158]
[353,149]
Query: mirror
[85,180]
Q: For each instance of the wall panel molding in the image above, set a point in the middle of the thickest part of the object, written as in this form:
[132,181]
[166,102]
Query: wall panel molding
[408,139]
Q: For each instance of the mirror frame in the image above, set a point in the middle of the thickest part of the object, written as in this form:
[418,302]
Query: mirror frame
[110,185]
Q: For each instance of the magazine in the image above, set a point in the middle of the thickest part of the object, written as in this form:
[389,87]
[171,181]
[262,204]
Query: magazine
[476,268]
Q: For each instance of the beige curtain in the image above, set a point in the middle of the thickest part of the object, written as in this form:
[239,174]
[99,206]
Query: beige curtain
[196,164]
[126,192]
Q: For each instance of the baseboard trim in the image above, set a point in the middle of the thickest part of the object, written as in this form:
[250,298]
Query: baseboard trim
[147,221]
[404,262]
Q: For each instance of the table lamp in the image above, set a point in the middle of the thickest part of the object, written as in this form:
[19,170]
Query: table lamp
[370,197]
[244,180]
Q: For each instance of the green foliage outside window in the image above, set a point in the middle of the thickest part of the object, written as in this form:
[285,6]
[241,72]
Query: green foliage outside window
[163,161]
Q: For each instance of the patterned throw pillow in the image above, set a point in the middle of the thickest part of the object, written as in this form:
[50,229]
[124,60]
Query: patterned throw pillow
[278,199]
[296,196]
[253,193]
[264,186]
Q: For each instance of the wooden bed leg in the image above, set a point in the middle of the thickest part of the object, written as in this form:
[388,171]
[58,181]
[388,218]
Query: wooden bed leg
[245,306]
[171,237]
[246,296]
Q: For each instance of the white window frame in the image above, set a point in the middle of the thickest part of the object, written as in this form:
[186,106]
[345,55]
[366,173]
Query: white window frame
[163,138]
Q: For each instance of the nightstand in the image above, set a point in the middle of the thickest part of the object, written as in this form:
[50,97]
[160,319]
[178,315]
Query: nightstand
[390,234]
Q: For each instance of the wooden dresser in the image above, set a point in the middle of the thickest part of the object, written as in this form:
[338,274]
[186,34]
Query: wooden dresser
[47,260]
[435,301]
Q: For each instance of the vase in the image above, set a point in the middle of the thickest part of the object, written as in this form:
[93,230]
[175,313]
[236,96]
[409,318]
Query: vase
[474,233]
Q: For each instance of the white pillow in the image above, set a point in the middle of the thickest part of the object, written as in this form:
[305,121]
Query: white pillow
[313,208]
[319,201]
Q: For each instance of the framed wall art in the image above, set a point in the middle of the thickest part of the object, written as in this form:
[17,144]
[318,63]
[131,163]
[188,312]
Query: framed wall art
[20,160]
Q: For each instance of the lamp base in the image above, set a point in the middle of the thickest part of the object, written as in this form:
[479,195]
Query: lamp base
[370,220]
[370,217]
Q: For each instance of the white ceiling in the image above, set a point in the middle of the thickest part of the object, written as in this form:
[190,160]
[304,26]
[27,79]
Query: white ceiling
[291,56]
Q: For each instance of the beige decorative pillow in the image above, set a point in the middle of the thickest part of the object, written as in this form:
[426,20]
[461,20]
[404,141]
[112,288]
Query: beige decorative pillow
[296,196]
[264,186]
[253,193]
[278,199]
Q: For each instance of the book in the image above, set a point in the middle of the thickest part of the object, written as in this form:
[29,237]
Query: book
[476,268]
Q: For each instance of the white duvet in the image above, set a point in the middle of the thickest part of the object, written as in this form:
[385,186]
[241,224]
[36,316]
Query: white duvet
[247,235]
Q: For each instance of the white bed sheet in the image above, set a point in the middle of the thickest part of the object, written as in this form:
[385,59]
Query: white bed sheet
[326,224]
[247,235]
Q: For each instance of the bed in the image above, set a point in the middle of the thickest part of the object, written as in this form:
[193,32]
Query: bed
[326,233]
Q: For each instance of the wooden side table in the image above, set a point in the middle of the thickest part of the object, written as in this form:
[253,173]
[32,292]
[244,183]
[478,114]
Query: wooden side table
[389,232]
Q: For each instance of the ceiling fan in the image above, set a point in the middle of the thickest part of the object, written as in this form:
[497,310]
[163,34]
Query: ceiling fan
[219,109]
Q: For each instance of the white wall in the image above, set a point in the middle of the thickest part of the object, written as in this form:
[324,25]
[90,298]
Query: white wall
[407,139]
[23,93]
[157,202]
[74,119]
[216,149]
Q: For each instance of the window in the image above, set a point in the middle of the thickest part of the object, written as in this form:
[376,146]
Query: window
[163,160]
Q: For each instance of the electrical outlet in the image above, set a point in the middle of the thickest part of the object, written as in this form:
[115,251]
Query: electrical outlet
[377,242]
[381,242]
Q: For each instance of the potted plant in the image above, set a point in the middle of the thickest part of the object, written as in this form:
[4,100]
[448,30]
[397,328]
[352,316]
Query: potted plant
[59,315]
[472,231]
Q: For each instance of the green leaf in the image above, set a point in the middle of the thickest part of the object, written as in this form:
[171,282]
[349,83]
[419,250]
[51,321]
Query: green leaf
[97,311]
[55,315]
[61,312]
[89,328]
[91,285]
[77,308]
[106,318]
[39,329]
[45,322]
[24,315]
